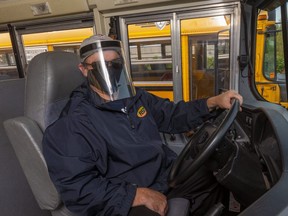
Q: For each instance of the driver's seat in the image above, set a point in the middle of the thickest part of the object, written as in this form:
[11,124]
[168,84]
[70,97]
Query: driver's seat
[51,77]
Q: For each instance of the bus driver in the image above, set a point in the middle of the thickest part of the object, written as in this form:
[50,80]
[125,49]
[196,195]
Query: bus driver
[105,155]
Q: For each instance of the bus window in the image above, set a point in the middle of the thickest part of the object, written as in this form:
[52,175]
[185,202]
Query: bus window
[30,52]
[65,40]
[151,61]
[151,57]
[71,48]
[273,51]
[8,68]
[207,43]
[270,67]
[35,43]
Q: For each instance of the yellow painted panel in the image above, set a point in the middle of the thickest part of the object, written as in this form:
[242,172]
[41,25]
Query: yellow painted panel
[270,92]
[185,67]
[75,36]
[163,94]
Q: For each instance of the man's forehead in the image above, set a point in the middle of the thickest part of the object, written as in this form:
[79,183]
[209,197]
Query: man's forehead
[108,54]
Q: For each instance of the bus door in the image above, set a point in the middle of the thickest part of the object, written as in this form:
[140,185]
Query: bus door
[205,48]
[184,55]
[150,53]
[202,66]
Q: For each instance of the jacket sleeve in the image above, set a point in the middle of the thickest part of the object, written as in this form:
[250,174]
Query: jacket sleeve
[177,117]
[77,168]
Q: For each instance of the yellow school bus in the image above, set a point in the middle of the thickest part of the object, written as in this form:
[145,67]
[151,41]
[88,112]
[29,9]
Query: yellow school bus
[269,64]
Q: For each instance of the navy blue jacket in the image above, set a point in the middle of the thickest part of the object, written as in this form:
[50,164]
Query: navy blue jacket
[98,154]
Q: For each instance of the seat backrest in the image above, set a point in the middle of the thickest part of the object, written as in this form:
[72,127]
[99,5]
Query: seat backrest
[51,77]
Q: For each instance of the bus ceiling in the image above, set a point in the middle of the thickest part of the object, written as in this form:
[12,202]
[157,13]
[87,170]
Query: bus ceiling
[31,10]
[25,10]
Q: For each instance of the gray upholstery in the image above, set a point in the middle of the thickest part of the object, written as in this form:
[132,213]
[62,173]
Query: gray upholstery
[51,77]
[178,207]
[25,136]
[50,80]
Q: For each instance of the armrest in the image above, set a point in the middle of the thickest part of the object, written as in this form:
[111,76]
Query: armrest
[26,138]
[178,207]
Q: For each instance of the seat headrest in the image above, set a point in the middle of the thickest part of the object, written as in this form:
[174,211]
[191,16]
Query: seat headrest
[51,77]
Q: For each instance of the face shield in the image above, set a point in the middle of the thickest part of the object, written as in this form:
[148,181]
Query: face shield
[107,72]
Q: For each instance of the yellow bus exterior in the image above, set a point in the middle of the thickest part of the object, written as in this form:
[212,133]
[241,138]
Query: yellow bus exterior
[267,87]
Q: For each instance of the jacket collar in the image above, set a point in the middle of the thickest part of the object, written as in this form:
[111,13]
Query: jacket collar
[86,92]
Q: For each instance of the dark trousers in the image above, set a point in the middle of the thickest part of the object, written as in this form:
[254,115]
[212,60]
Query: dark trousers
[201,189]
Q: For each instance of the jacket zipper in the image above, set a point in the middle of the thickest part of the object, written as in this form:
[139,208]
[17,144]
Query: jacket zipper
[124,110]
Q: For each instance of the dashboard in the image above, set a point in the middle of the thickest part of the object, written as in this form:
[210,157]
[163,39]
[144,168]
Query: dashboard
[249,160]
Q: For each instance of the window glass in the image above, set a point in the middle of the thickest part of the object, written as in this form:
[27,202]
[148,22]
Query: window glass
[151,61]
[202,61]
[8,68]
[269,64]
[150,51]
[205,47]
[66,40]
[36,43]
[71,48]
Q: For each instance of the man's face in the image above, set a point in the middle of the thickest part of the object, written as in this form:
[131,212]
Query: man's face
[109,55]
[107,74]
[103,70]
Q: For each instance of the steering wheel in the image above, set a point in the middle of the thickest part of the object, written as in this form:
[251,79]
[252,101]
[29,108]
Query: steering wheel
[208,137]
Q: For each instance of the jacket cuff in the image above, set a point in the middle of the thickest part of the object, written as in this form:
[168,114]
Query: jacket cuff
[204,105]
[128,201]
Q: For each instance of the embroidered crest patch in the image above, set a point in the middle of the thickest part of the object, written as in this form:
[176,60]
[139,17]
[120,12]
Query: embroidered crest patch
[141,112]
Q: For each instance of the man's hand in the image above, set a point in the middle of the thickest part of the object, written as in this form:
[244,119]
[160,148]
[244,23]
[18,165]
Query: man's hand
[223,100]
[153,200]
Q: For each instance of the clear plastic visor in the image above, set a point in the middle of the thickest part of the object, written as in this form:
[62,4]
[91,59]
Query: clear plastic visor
[107,73]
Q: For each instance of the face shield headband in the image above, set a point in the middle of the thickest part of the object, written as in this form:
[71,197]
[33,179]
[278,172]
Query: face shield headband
[107,71]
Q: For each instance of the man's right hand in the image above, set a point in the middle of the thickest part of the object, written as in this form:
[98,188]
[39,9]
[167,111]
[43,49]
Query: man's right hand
[152,199]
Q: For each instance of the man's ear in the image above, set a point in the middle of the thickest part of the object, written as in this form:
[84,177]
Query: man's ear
[83,69]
